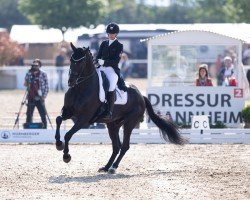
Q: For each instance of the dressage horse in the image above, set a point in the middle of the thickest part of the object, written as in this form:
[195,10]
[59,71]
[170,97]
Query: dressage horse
[82,104]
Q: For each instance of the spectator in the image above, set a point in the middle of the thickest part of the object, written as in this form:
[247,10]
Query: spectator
[36,82]
[60,59]
[203,79]
[246,56]
[124,65]
[226,74]
[218,63]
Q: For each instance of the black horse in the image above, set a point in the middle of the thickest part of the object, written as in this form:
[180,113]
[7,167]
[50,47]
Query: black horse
[82,104]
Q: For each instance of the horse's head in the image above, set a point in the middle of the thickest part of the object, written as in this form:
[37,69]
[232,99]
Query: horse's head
[80,65]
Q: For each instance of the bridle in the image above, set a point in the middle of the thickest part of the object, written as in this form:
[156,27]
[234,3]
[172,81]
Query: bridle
[80,78]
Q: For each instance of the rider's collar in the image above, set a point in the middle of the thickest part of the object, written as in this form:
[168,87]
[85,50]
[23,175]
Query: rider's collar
[111,41]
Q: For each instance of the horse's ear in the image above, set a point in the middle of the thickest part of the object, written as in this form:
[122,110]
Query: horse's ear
[72,46]
[87,48]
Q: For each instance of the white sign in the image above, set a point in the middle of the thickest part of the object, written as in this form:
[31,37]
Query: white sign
[200,122]
[222,104]
[27,135]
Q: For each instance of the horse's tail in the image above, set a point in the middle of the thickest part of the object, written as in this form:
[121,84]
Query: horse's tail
[169,130]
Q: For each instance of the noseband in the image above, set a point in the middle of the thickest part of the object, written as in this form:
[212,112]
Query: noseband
[80,78]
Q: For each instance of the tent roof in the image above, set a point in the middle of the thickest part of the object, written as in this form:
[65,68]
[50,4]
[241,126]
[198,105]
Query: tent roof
[192,37]
[235,31]
[35,34]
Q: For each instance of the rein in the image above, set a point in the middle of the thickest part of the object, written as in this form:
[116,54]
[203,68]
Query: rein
[83,78]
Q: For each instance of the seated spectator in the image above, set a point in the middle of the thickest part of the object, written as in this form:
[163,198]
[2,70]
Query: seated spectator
[203,79]
[226,74]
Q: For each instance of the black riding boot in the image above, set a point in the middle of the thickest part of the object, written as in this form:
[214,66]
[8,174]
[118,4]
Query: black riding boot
[110,105]
[121,84]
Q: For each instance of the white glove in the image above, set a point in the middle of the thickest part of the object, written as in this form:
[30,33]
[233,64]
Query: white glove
[100,61]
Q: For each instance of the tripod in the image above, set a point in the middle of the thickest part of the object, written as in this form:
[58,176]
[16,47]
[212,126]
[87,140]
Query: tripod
[47,115]
[20,109]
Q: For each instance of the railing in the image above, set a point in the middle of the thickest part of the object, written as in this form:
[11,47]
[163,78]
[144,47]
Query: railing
[145,136]
[12,77]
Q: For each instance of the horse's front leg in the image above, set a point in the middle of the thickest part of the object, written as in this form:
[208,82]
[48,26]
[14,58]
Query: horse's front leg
[59,143]
[65,115]
[77,126]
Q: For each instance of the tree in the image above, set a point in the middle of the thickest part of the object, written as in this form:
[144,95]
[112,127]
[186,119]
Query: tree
[62,14]
[242,7]
[10,51]
[9,14]
[174,14]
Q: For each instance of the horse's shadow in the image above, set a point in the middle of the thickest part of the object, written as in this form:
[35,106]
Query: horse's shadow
[96,178]
[87,179]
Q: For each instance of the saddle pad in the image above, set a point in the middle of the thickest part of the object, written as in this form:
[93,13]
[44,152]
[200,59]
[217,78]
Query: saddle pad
[121,96]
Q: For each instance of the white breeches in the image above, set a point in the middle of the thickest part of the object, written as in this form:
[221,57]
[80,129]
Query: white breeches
[111,75]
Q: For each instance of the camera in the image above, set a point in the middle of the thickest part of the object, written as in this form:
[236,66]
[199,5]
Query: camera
[34,67]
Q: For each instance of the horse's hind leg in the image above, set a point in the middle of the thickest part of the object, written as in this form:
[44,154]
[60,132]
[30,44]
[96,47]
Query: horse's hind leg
[128,127]
[116,145]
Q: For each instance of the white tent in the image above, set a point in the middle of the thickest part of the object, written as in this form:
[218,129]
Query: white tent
[173,61]
[35,34]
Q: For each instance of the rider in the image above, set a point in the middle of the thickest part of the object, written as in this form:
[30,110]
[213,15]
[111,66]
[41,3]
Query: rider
[108,57]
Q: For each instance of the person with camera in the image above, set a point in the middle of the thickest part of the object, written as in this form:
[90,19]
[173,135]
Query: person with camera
[36,82]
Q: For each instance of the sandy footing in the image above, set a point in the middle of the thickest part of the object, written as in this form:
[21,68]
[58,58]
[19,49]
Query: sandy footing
[146,172]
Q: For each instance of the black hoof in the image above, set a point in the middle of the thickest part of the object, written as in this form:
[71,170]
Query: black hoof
[111,170]
[102,169]
[59,146]
[66,158]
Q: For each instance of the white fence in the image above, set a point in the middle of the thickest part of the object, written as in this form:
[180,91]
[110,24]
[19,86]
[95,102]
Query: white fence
[145,136]
[15,76]
[12,77]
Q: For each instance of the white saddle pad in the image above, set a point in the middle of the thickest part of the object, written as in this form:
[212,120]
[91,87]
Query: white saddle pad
[121,96]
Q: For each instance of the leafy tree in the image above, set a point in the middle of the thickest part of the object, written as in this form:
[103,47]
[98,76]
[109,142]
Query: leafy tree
[174,14]
[9,14]
[242,7]
[9,51]
[62,14]
[213,11]
[124,12]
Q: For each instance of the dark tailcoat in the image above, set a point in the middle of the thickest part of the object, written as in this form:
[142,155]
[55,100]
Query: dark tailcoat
[110,54]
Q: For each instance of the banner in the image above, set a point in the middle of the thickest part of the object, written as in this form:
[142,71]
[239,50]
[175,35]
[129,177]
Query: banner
[221,104]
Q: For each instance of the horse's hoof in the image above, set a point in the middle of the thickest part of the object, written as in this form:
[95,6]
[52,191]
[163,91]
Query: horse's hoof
[59,146]
[111,170]
[102,169]
[66,158]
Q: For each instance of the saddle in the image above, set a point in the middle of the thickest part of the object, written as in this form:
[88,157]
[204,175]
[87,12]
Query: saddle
[121,96]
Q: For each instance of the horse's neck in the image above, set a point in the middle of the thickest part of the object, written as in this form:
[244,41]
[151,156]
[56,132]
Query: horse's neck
[90,77]
[90,68]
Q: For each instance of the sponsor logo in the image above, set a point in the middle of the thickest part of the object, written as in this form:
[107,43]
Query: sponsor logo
[5,134]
